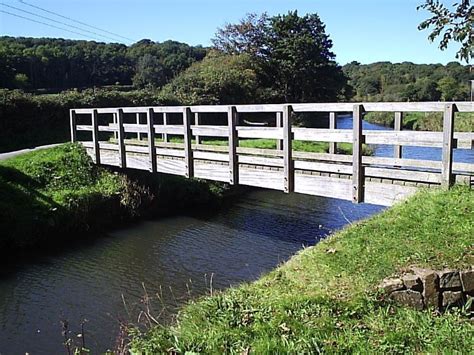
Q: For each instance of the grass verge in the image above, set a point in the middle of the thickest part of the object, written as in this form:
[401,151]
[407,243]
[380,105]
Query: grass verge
[325,299]
[55,195]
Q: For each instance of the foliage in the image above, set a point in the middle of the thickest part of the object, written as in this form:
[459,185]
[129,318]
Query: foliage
[149,72]
[63,64]
[218,79]
[325,299]
[452,25]
[385,81]
[293,55]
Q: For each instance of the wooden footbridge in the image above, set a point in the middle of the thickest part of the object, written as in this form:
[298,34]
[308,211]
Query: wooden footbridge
[176,140]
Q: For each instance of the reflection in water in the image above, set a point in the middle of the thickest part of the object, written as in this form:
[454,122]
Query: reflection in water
[172,256]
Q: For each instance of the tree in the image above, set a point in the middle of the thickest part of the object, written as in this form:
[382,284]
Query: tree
[149,72]
[218,79]
[452,25]
[292,53]
[449,88]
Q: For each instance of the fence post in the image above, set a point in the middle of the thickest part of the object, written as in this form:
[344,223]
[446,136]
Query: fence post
[332,125]
[165,123]
[72,118]
[279,124]
[397,126]
[188,152]
[288,166]
[151,140]
[357,169]
[95,136]
[448,144]
[196,122]
[139,135]
[233,142]
[121,139]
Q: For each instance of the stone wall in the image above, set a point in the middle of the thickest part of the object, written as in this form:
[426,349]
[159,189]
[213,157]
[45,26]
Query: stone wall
[425,288]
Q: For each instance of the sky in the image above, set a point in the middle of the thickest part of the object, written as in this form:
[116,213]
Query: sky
[366,31]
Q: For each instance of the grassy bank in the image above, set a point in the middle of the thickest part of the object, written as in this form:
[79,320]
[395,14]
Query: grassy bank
[423,121]
[325,299]
[55,195]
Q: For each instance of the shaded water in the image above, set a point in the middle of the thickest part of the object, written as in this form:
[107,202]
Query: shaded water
[178,257]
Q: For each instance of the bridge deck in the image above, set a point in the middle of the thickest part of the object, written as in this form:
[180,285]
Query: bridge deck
[120,137]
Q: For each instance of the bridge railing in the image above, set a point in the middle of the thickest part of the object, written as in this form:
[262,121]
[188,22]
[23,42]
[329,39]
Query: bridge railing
[173,139]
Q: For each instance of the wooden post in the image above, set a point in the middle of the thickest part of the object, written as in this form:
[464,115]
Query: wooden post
[279,124]
[115,122]
[151,140]
[233,142]
[72,117]
[121,139]
[397,126]
[448,144]
[196,122]
[188,153]
[332,125]
[95,136]
[139,136]
[357,170]
[288,166]
[165,123]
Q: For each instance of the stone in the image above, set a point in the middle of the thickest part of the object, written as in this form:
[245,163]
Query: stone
[449,279]
[430,281]
[408,298]
[467,281]
[391,285]
[412,282]
[452,298]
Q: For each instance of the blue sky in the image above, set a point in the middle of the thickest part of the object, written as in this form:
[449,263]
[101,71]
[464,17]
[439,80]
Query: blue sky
[363,30]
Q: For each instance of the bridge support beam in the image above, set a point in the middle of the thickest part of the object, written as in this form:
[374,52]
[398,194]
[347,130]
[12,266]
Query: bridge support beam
[232,117]
[357,169]
[332,125]
[95,136]
[188,152]
[448,145]
[288,164]
[121,138]
[151,140]
[397,126]
[72,120]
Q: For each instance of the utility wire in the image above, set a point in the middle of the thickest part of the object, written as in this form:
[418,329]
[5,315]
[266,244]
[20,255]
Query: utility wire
[60,22]
[47,24]
[71,19]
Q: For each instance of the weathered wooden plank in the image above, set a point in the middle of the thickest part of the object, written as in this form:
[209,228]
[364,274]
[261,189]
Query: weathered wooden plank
[233,143]
[260,132]
[210,131]
[279,124]
[213,172]
[211,156]
[84,127]
[188,152]
[332,125]
[288,167]
[120,140]
[323,186]
[382,194]
[261,161]
[151,140]
[399,174]
[72,123]
[357,169]
[324,167]
[170,129]
[196,124]
[165,123]
[95,136]
[447,150]
[397,126]
[323,135]
[267,179]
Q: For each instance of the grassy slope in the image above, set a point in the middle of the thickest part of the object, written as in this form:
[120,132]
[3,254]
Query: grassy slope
[324,299]
[55,194]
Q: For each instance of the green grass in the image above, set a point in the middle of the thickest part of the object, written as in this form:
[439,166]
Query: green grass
[261,143]
[325,298]
[424,121]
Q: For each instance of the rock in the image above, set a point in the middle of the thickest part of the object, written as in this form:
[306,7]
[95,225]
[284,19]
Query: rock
[391,285]
[452,298]
[449,279]
[467,281]
[412,282]
[409,298]
[430,281]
